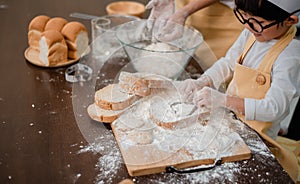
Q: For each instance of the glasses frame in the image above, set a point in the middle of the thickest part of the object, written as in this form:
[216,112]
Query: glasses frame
[239,15]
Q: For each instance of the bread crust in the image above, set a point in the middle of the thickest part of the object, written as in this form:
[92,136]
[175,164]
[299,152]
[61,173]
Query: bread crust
[71,45]
[112,98]
[58,54]
[52,37]
[72,29]
[75,32]
[142,83]
[72,54]
[57,48]
[34,37]
[102,115]
[38,23]
[35,29]
[56,23]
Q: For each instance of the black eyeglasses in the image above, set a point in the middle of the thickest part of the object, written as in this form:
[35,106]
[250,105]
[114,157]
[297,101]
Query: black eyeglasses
[254,24]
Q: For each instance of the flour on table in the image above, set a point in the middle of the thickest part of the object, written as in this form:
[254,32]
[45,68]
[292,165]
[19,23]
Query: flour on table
[110,161]
[193,140]
[105,145]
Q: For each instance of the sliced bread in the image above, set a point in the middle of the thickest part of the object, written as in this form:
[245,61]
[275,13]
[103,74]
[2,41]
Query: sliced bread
[112,97]
[102,115]
[142,83]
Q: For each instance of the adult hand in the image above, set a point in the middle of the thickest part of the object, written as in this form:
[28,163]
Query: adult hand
[162,9]
[172,28]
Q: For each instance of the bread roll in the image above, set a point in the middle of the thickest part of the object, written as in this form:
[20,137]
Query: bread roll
[53,48]
[56,23]
[76,37]
[112,97]
[35,29]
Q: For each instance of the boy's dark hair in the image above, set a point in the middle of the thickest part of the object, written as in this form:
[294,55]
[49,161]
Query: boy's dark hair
[262,8]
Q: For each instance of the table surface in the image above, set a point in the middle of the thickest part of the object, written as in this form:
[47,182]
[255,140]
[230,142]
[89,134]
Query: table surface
[42,134]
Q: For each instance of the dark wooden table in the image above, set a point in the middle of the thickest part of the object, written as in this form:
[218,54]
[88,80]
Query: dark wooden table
[46,137]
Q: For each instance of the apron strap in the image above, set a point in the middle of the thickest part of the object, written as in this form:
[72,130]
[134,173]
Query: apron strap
[248,45]
[273,53]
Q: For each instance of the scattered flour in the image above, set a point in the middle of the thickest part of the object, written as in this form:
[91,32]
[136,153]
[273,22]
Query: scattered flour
[110,163]
[110,160]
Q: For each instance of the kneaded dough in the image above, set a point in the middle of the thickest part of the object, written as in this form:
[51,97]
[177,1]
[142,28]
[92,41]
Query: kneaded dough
[140,137]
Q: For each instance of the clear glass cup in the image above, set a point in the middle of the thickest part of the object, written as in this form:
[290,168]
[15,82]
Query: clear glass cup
[99,26]
[104,41]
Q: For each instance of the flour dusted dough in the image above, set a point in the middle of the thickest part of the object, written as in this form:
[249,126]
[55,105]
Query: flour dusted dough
[173,114]
[136,117]
[140,137]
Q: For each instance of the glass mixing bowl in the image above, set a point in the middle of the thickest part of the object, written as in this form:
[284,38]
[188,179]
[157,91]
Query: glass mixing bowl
[150,54]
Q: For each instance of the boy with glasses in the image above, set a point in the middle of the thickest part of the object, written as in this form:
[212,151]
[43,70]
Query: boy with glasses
[262,68]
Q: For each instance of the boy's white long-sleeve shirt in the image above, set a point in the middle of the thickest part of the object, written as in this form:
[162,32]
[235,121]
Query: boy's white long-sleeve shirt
[285,79]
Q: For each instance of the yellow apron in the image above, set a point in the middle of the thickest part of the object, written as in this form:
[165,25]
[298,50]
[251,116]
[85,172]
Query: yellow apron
[251,83]
[218,25]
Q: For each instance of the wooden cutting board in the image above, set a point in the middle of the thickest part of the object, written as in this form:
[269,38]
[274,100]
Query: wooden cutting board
[148,148]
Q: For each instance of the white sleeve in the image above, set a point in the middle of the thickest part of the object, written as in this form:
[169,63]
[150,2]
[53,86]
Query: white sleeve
[284,88]
[222,70]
